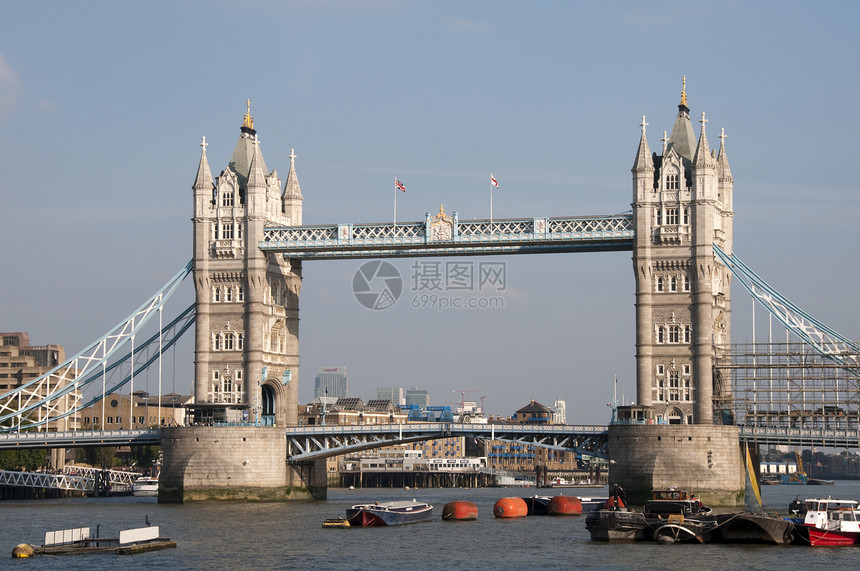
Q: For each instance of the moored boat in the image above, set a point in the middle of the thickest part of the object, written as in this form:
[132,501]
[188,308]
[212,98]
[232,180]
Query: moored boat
[78,541]
[617,525]
[832,522]
[537,505]
[674,501]
[388,513]
[145,486]
[753,528]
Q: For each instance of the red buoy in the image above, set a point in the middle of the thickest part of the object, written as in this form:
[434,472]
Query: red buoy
[460,511]
[511,507]
[565,505]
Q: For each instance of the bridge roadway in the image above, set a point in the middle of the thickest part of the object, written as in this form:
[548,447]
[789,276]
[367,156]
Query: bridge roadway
[306,443]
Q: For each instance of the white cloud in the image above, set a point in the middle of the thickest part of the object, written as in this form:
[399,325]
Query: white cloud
[10,88]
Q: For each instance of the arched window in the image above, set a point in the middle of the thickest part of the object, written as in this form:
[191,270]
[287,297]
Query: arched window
[671,182]
[240,341]
[227,198]
[686,283]
[228,294]
[659,283]
[673,283]
[216,344]
[216,294]
[687,334]
[661,333]
[674,334]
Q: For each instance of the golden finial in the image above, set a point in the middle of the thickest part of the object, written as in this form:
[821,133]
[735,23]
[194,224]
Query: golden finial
[249,121]
[684,91]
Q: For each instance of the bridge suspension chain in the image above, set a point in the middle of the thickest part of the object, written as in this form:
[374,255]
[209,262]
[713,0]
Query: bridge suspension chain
[819,336]
[56,394]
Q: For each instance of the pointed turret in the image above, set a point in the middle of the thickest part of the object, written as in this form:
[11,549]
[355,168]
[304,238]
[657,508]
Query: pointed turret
[703,156]
[644,161]
[723,171]
[292,189]
[257,172]
[204,180]
[683,138]
[292,197]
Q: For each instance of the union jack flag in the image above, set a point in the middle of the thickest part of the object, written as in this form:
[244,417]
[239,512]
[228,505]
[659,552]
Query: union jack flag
[399,185]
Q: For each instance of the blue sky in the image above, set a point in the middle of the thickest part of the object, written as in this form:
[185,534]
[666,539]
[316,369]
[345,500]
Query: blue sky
[103,104]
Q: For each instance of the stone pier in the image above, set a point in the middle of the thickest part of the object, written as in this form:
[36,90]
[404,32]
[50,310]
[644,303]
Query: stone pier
[203,463]
[706,460]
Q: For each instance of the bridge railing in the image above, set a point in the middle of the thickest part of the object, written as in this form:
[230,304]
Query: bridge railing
[78,438]
[334,429]
[447,231]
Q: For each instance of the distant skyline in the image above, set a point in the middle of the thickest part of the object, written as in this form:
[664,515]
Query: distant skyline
[100,133]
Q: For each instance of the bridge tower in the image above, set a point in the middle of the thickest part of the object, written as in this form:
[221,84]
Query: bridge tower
[246,346]
[682,205]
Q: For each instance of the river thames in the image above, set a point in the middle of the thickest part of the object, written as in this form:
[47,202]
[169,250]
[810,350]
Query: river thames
[216,536]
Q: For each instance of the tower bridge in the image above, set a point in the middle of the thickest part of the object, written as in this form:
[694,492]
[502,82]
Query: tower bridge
[250,244]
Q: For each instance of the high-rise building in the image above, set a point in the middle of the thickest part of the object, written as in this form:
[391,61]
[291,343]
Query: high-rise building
[559,412]
[417,397]
[331,382]
[394,394]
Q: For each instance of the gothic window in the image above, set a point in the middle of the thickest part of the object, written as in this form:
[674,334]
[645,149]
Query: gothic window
[239,231]
[228,341]
[227,198]
[673,333]
[674,385]
[240,295]
[214,231]
[660,283]
[686,216]
[661,369]
[216,344]
[216,294]
[671,182]
[227,231]
[687,391]
[687,369]
[687,334]
[673,283]
[661,332]
[672,216]
[228,294]
[240,341]
[686,283]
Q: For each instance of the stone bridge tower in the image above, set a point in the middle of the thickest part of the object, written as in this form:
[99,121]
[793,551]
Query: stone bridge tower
[246,348]
[682,205]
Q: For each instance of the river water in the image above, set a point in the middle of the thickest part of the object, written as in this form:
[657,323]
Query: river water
[216,536]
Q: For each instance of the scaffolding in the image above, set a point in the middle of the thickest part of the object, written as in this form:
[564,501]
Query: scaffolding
[788,385]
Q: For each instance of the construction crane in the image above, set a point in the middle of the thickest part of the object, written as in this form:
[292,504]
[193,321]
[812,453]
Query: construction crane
[463,396]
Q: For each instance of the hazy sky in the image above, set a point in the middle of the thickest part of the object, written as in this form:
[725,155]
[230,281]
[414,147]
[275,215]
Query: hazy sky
[103,106]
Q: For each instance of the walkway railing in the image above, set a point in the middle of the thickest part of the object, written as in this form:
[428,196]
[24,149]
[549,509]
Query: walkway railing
[447,236]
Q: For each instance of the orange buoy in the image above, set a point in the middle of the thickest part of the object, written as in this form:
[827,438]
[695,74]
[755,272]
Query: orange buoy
[511,507]
[565,505]
[460,511]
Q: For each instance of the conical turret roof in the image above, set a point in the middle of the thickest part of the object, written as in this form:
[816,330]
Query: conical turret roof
[291,188]
[243,154]
[204,179]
